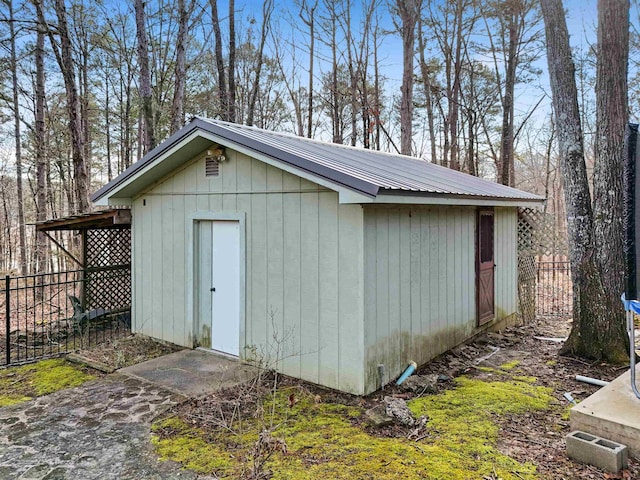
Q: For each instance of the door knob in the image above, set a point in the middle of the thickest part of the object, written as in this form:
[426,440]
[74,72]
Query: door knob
[213,289]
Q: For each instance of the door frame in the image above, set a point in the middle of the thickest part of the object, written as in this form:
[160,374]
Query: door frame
[191,318]
[479,212]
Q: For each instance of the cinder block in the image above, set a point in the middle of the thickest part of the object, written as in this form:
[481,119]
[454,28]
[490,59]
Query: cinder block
[593,450]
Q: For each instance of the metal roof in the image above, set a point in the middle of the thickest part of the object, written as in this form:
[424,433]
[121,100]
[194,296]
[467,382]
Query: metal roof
[368,172]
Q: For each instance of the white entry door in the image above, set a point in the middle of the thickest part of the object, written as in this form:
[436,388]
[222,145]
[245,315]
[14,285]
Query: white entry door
[220,282]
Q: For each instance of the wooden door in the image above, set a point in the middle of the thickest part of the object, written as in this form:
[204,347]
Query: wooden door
[485,266]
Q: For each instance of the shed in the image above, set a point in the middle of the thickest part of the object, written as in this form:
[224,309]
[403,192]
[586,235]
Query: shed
[322,260]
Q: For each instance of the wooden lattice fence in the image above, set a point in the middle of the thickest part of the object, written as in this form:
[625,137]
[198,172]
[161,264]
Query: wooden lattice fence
[108,277]
[539,239]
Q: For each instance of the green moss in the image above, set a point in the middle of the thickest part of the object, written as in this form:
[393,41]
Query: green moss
[188,446]
[551,363]
[6,400]
[510,365]
[52,375]
[323,442]
[19,384]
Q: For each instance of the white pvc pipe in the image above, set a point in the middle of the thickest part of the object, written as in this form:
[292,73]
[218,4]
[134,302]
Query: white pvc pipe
[592,381]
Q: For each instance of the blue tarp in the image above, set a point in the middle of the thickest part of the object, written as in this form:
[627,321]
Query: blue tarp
[633,305]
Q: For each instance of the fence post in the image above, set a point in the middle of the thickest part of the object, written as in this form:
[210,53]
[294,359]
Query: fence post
[8,318]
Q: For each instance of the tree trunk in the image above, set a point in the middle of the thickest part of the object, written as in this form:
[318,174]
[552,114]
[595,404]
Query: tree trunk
[591,306]
[222,80]
[454,105]
[267,9]
[506,144]
[408,11]
[426,80]
[146,95]
[82,39]
[353,77]
[180,70]
[377,107]
[611,120]
[128,143]
[65,62]
[310,22]
[107,123]
[335,108]
[471,155]
[18,141]
[363,74]
[40,152]
[231,103]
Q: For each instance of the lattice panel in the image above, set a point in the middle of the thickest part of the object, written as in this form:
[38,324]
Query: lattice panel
[109,289]
[538,233]
[529,245]
[108,247]
[527,287]
[108,269]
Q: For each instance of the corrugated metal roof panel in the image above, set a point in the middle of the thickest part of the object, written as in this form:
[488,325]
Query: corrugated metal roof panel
[361,170]
[386,171]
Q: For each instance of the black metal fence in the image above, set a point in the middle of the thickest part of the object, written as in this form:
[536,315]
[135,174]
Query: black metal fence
[50,314]
[554,295]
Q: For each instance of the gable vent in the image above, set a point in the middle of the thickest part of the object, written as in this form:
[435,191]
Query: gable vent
[211,167]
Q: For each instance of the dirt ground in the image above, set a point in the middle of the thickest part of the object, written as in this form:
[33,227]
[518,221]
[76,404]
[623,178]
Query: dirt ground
[123,352]
[536,437]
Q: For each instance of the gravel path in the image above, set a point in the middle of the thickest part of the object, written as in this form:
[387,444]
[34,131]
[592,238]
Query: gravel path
[99,430]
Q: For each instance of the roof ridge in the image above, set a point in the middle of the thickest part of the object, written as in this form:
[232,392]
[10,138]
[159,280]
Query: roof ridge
[315,140]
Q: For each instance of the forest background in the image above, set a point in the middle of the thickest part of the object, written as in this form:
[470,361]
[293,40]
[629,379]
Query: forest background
[86,88]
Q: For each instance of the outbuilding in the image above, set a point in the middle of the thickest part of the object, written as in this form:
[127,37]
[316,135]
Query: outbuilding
[324,261]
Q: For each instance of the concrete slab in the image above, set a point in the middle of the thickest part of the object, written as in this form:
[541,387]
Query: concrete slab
[613,413]
[192,373]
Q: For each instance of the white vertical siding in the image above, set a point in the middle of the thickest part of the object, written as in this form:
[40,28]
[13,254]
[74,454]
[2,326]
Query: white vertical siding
[419,289]
[303,266]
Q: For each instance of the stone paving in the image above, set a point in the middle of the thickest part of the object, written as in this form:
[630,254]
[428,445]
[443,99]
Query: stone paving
[100,430]
[192,372]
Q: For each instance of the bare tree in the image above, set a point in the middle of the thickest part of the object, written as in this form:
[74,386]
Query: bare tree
[17,136]
[592,334]
[515,36]
[451,24]
[146,95]
[367,104]
[611,120]
[307,15]
[64,58]
[408,11]
[515,25]
[40,153]
[222,80]
[267,10]
[180,69]
[119,49]
[376,108]
[231,102]
[333,98]
[427,82]
[454,97]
